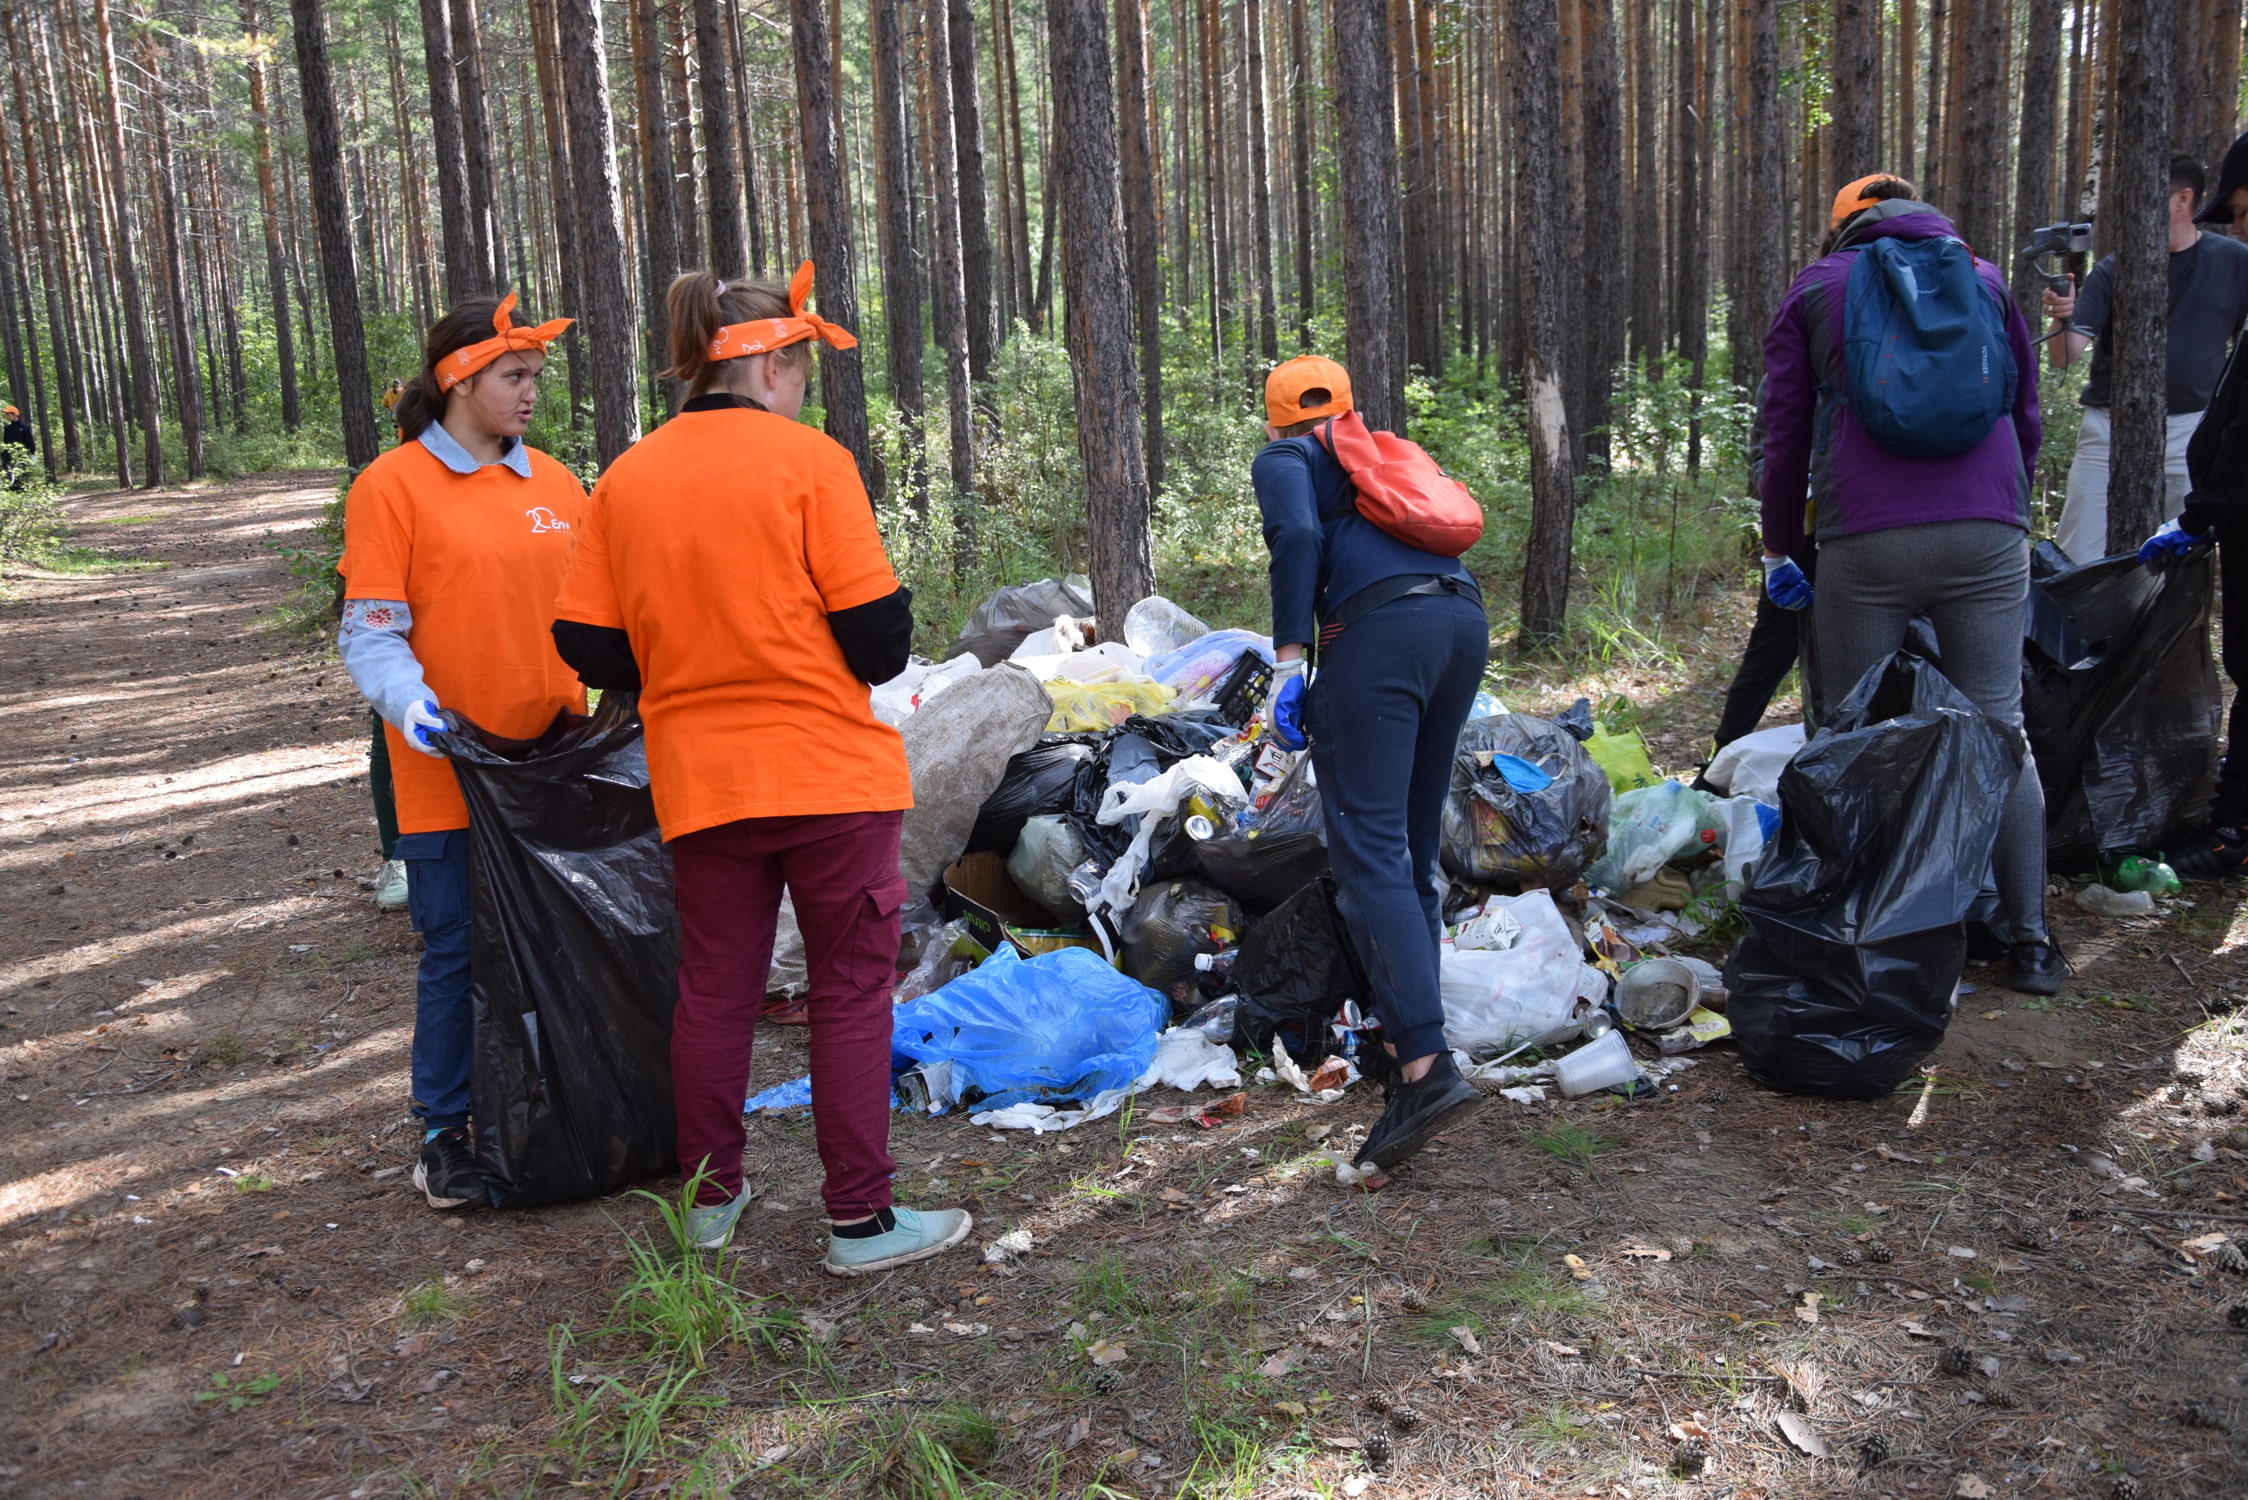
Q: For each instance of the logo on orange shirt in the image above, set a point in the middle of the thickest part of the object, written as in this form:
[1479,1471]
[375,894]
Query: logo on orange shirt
[543,519]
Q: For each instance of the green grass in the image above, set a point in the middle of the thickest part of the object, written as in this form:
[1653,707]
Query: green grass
[429,1302]
[681,1303]
[917,1454]
[1106,1284]
[237,1391]
[1554,1427]
[1572,1143]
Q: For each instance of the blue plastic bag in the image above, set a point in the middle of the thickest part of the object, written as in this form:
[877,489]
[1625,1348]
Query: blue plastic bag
[1061,1026]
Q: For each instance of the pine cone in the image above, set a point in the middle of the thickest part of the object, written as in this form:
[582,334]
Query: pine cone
[1414,1300]
[1689,1458]
[1377,1401]
[1957,1359]
[2230,1257]
[2079,1214]
[1404,1418]
[2207,1414]
[2030,1235]
[1853,1256]
[1376,1447]
[1103,1382]
[2237,1315]
[1873,1453]
[2000,1396]
[2124,1488]
[1879,1253]
[1715,1096]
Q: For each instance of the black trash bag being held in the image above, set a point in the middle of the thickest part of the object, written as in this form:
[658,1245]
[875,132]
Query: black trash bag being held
[1516,841]
[1296,969]
[1857,910]
[573,957]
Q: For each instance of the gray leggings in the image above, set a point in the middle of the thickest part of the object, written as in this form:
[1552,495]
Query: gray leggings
[1971,579]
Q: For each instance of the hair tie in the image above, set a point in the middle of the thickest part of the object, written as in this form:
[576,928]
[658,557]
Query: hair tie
[721,285]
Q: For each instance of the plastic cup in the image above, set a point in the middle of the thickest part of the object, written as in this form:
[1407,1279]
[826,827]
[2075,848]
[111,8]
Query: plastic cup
[1603,1064]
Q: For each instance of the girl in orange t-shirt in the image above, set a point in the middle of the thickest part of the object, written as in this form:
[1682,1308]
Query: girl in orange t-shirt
[454,544]
[730,571]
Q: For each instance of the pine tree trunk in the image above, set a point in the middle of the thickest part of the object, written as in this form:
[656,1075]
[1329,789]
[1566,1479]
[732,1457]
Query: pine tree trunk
[545,59]
[1764,187]
[2224,83]
[1260,182]
[1855,104]
[2040,119]
[1099,311]
[1980,194]
[1025,292]
[332,212]
[1647,215]
[2134,221]
[1932,144]
[659,201]
[476,148]
[1417,284]
[1008,272]
[975,197]
[610,339]
[43,237]
[126,250]
[750,208]
[454,226]
[828,209]
[163,173]
[1142,228]
[1607,290]
[1299,125]
[1366,172]
[951,296]
[728,255]
[1534,29]
[901,276]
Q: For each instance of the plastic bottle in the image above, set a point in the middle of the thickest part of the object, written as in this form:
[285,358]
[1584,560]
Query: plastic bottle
[2135,872]
[1218,965]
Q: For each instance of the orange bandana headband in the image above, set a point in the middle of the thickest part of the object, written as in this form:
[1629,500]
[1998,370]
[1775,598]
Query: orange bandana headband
[462,363]
[764,335]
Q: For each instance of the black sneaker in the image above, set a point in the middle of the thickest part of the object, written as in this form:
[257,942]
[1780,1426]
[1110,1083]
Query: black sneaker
[2036,968]
[446,1173]
[2217,851]
[1416,1112]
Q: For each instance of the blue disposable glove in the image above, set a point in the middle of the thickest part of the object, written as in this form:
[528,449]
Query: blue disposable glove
[1284,716]
[2168,544]
[1785,583]
[421,722]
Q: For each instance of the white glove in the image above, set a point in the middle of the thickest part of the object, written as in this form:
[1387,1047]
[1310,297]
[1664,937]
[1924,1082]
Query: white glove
[1283,670]
[420,722]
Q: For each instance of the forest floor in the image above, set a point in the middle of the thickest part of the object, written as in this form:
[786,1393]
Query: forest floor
[218,1283]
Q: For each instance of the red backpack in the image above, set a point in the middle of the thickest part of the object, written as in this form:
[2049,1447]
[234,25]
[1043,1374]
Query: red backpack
[1401,489]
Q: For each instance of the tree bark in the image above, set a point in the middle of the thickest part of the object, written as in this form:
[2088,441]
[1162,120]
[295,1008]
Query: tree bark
[658,198]
[1142,226]
[607,314]
[43,237]
[453,225]
[163,173]
[1098,312]
[1764,188]
[750,206]
[1980,191]
[486,238]
[728,256]
[1647,216]
[1417,281]
[1855,105]
[975,197]
[901,276]
[1607,289]
[828,206]
[1260,182]
[127,251]
[2040,119]
[332,214]
[2134,219]
[1366,171]
[1299,126]
[951,294]
[1534,29]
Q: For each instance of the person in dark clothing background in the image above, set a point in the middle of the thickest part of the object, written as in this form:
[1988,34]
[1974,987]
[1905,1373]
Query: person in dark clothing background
[14,466]
[1402,642]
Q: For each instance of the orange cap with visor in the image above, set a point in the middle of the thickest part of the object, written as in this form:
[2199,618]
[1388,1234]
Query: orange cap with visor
[1306,387]
[1852,197]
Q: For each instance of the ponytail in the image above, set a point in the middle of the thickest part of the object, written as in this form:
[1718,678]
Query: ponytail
[698,304]
[467,322]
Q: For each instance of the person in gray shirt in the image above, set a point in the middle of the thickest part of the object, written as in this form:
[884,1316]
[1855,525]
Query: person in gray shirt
[2208,303]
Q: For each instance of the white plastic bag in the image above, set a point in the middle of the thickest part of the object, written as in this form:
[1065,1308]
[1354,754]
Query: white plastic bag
[894,701]
[1751,765]
[1160,797]
[1497,997]
[1155,625]
[1740,836]
[1647,829]
[1186,1059]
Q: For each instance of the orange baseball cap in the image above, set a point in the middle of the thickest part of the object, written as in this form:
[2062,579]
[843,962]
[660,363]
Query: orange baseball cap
[10,410]
[1852,197]
[1304,387]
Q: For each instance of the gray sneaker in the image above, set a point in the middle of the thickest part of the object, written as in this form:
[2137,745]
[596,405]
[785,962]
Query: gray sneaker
[711,1228]
[390,886]
[917,1237]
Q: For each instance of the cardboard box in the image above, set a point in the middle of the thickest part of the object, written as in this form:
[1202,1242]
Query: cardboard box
[979,890]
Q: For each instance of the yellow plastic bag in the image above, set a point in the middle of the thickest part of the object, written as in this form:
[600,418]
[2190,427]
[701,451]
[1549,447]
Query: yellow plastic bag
[1103,705]
[1618,748]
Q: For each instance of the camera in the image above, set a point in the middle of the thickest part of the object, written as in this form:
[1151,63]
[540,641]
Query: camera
[2057,241]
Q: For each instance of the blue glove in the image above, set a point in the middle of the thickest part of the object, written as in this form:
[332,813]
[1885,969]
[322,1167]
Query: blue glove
[1785,583]
[421,722]
[1284,719]
[2168,544]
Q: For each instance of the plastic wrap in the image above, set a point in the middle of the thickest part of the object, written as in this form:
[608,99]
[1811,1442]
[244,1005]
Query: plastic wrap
[1155,627]
[1058,1027]
[1264,856]
[1647,829]
[1751,765]
[1103,705]
[1003,621]
[1050,847]
[573,957]
[1497,997]
[1856,912]
[1198,669]
[1494,835]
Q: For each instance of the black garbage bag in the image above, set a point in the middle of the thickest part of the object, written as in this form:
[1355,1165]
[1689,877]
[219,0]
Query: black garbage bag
[573,957]
[1274,852]
[1174,737]
[2121,703]
[1295,970]
[1042,779]
[1514,841]
[1002,621]
[1857,911]
[1167,926]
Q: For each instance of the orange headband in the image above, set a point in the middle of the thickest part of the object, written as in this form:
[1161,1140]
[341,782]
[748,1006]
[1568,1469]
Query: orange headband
[462,363]
[764,335]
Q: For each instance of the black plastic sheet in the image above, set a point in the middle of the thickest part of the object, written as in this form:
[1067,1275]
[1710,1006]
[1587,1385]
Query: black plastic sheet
[573,957]
[1003,621]
[1516,841]
[1295,971]
[1280,853]
[2120,699]
[1042,779]
[1168,926]
[1856,912]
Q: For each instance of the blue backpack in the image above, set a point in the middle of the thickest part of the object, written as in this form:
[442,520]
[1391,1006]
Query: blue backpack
[1927,367]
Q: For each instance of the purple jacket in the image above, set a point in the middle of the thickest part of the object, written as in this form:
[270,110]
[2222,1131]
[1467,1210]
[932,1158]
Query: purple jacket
[1814,448]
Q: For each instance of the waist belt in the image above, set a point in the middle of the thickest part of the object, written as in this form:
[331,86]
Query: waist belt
[1389,591]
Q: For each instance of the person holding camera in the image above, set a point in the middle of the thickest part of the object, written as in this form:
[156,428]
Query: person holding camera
[2208,302]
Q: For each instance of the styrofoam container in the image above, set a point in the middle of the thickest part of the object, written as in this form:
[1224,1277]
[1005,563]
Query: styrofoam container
[1603,1064]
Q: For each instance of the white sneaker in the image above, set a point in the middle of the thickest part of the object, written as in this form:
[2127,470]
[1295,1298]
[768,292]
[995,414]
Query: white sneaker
[390,886]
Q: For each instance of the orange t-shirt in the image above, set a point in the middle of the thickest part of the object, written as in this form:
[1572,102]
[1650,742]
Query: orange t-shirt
[477,558]
[719,544]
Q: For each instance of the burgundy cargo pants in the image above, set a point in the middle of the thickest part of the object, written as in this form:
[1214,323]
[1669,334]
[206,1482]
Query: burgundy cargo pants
[841,872]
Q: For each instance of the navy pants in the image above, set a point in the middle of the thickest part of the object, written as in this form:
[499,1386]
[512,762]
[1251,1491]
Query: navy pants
[1384,719]
[444,1029]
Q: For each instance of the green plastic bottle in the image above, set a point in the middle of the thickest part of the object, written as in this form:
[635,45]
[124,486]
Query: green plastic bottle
[2135,872]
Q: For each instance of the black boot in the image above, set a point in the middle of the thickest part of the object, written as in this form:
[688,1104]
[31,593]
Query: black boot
[1416,1112]
[2036,967]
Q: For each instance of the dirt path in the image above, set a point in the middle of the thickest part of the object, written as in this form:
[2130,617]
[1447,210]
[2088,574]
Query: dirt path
[202,1196]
